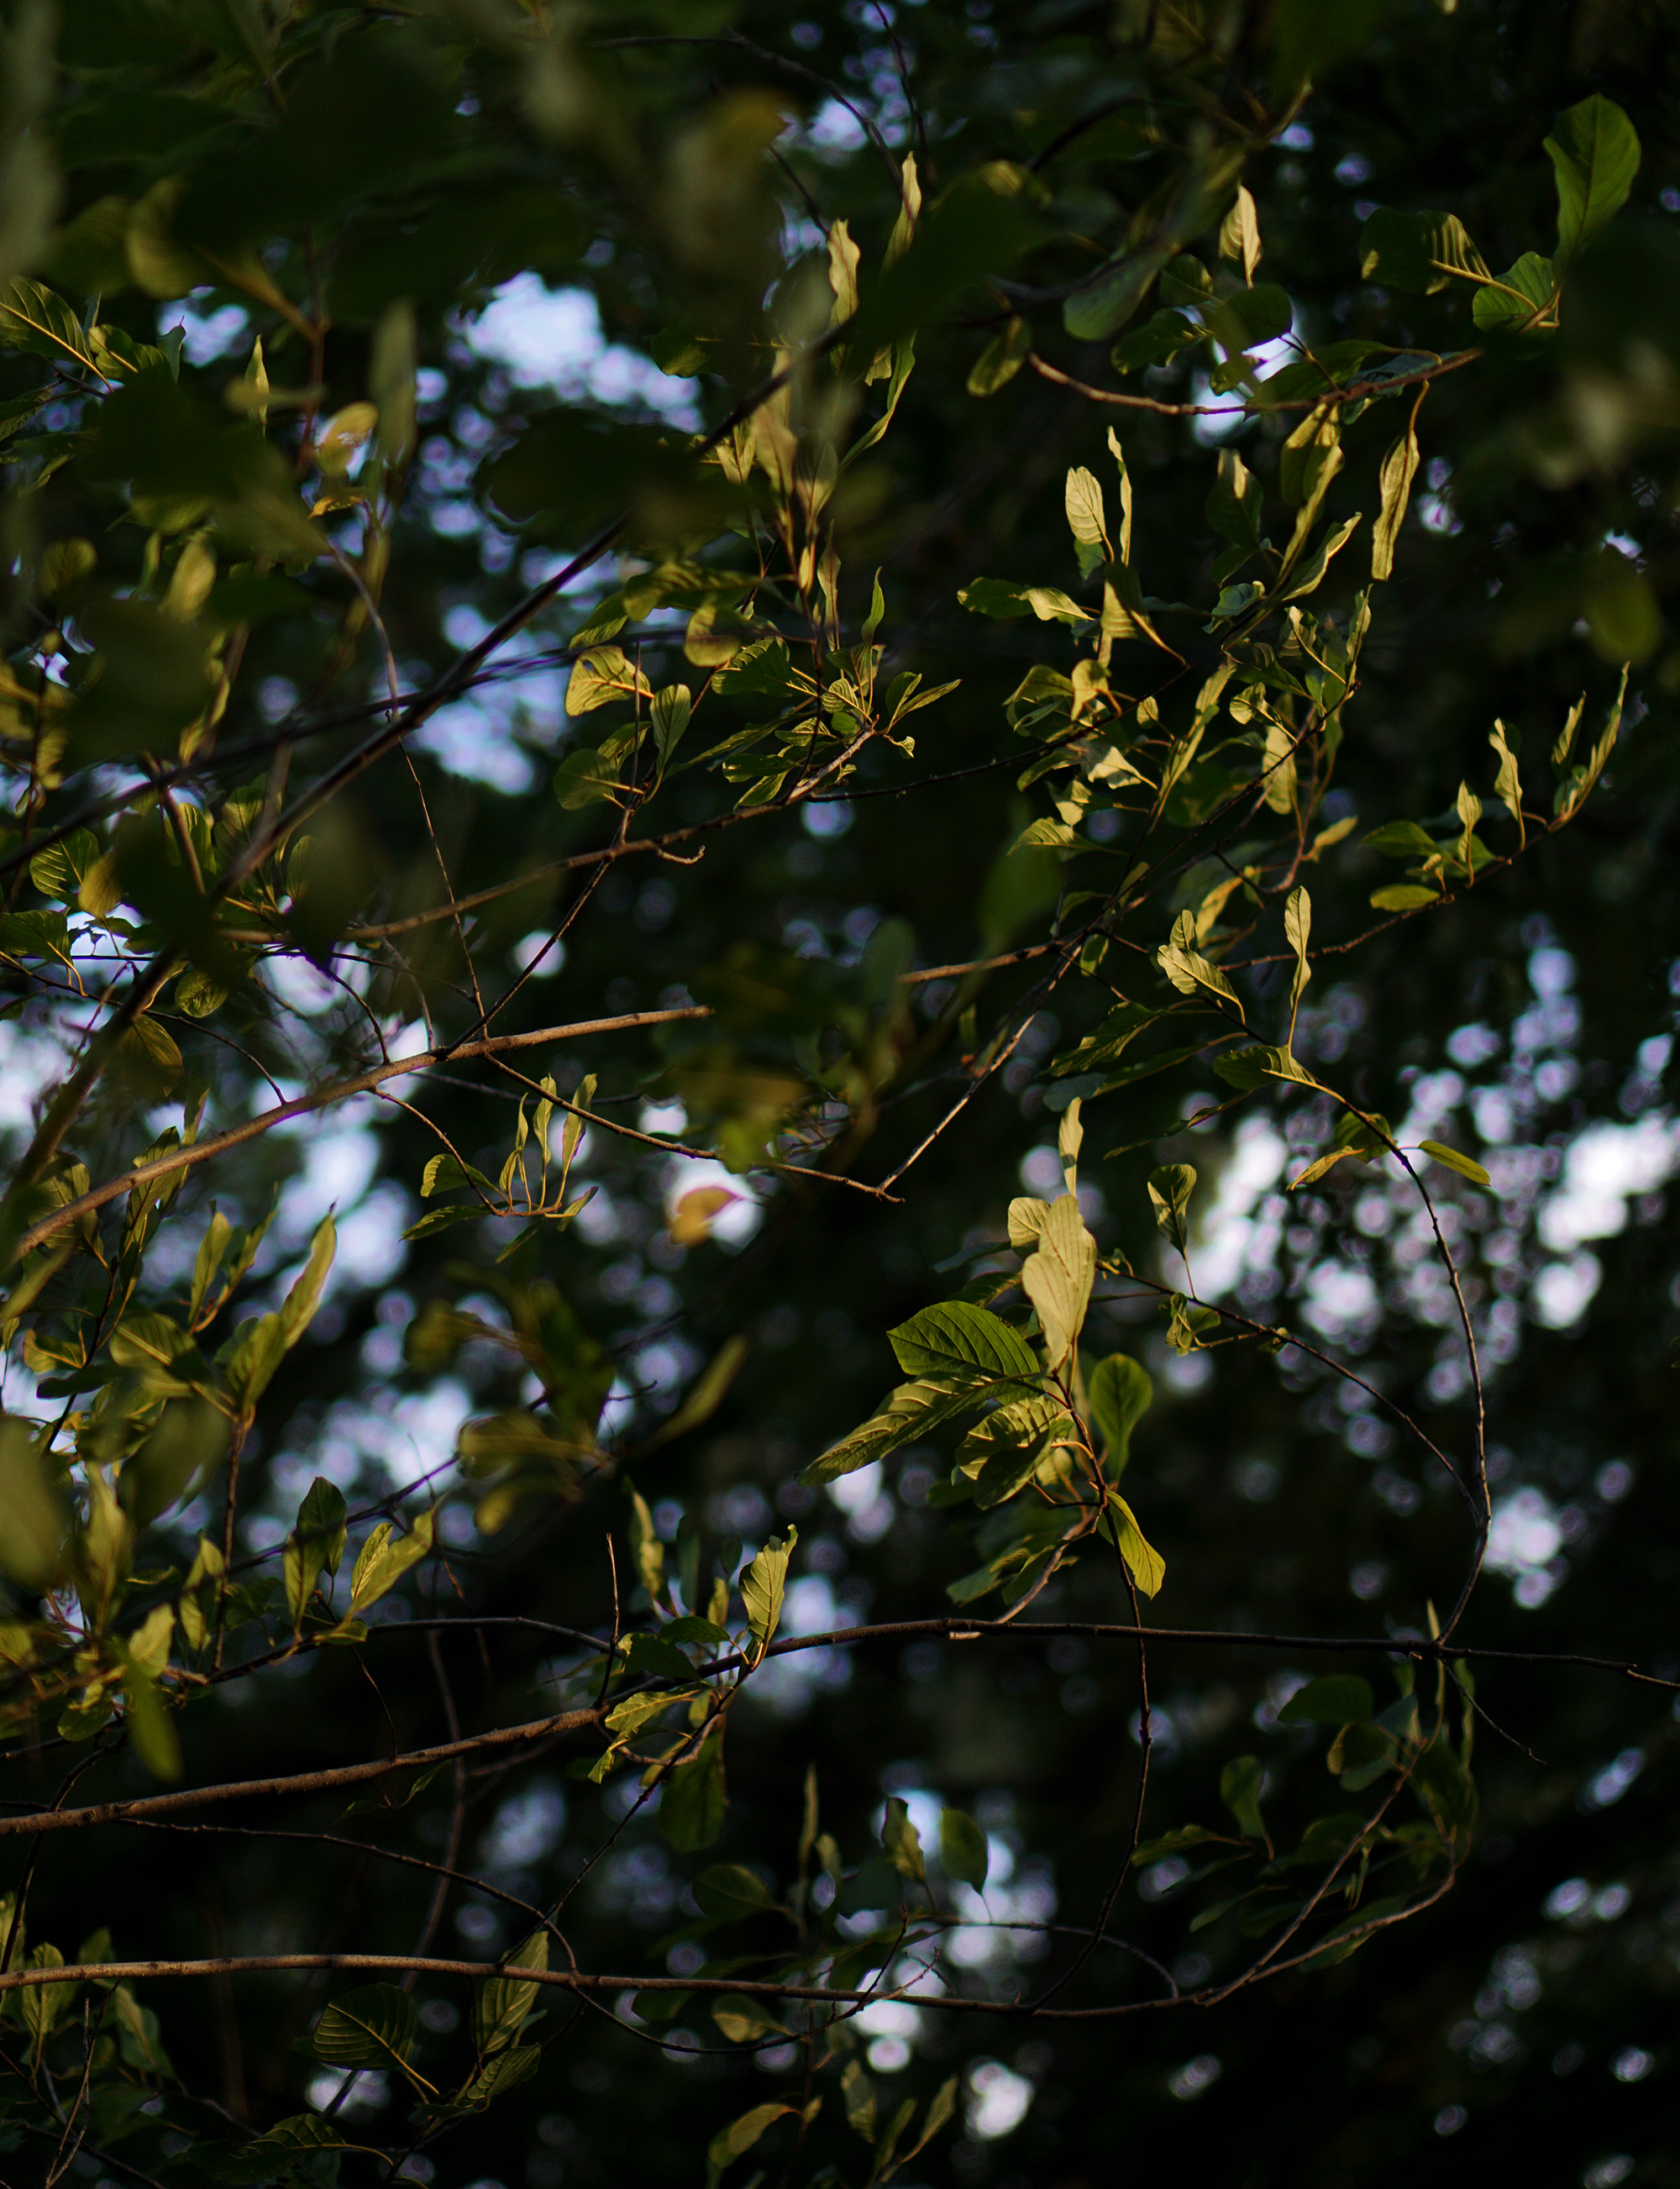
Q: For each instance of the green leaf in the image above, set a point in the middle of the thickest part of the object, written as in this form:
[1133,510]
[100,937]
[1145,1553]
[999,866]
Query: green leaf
[1418,252]
[956,1336]
[584,778]
[997,596]
[705,1394]
[298,1308]
[965,1853]
[1157,341]
[1187,969]
[61,870]
[646,1547]
[152,1724]
[998,363]
[902,1842]
[1240,1784]
[317,1540]
[1309,39]
[1234,505]
[1003,1449]
[859,2093]
[503,2003]
[34,317]
[1622,614]
[1240,233]
[440,1219]
[1450,1158]
[1401,840]
[604,674]
[693,1799]
[1087,518]
[670,715]
[636,1712]
[1057,1278]
[148,1055]
[1174,1842]
[911,1410]
[763,1585]
[373,2027]
[1146,1565]
[734,2141]
[1535,283]
[729,1891]
[1403,896]
[267,2157]
[1169,1190]
[1120,1393]
[32,1514]
[1507,785]
[1338,1699]
[1399,469]
[502,2072]
[250,1358]
[1250,316]
[385,1559]
[1344,1939]
[745,2020]
[1311,574]
[1109,299]
[1594,151]
[1298,920]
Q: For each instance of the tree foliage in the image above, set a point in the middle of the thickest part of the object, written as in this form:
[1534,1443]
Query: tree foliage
[652,654]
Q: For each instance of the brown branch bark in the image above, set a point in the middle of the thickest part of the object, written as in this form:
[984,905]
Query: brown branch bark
[300,1782]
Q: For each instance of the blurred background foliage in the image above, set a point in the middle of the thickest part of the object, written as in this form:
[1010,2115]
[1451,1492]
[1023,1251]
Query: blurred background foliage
[602,222]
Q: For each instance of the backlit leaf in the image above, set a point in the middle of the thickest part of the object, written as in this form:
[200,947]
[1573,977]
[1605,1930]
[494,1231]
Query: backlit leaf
[1120,1391]
[1594,151]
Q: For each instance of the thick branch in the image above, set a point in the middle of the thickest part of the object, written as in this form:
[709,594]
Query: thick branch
[301,1782]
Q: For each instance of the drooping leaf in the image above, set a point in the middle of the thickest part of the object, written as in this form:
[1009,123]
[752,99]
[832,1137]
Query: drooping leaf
[1146,1565]
[1003,357]
[1120,1393]
[503,2003]
[1594,151]
[965,1853]
[763,1585]
[1058,1276]
[1240,1784]
[901,1840]
[1170,1188]
[1399,469]
[693,1800]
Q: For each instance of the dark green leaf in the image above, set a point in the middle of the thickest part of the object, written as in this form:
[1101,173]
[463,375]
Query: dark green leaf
[1594,151]
[1240,1784]
[1339,1699]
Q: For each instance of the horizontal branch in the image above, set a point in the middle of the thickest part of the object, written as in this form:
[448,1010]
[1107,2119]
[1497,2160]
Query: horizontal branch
[562,1979]
[301,1782]
[362,1083]
[977,1629]
[1353,391]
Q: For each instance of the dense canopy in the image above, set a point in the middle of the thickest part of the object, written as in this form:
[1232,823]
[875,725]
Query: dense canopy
[777,789]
